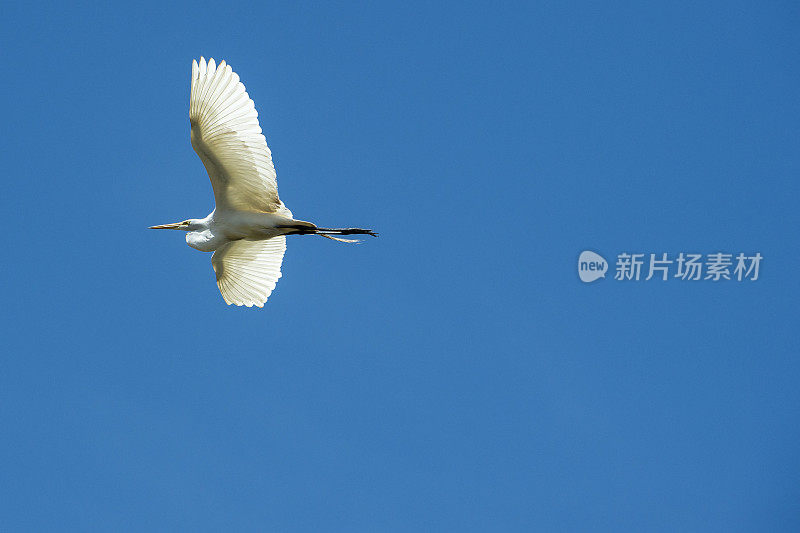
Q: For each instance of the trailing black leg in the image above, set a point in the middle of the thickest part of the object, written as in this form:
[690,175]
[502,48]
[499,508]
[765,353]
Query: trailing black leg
[345,231]
[299,227]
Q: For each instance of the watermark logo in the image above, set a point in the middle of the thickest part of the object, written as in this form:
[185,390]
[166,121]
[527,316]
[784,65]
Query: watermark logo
[718,266]
[591,266]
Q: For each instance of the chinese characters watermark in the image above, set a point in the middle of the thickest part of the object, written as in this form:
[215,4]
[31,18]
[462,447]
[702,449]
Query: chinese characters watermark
[718,266]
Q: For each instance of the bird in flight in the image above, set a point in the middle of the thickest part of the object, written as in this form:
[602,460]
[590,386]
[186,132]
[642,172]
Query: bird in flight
[247,228]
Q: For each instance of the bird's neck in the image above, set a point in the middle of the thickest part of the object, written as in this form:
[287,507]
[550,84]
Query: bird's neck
[203,240]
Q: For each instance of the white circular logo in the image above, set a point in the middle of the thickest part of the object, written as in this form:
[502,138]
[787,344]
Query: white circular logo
[591,266]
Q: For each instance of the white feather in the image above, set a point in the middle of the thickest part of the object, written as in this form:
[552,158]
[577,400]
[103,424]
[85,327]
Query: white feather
[247,271]
[226,135]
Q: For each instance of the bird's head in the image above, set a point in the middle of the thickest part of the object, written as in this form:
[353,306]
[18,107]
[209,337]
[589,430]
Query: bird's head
[186,225]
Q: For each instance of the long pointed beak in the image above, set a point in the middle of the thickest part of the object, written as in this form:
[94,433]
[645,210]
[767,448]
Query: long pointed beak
[174,225]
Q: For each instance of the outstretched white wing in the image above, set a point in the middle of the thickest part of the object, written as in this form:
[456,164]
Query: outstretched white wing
[226,135]
[247,271]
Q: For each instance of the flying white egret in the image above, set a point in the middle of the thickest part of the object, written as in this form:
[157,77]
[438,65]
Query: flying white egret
[247,228]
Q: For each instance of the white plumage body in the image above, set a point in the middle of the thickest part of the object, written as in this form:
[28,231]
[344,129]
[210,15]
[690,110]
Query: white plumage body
[246,231]
[219,228]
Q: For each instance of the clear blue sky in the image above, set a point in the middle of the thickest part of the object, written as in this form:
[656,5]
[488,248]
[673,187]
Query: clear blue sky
[454,374]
